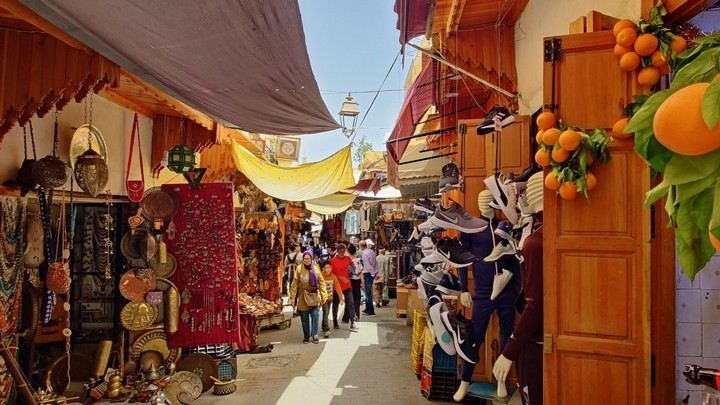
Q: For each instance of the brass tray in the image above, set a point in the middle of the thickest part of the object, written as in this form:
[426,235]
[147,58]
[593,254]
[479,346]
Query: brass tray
[138,315]
[159,204]
[79,143]
[138,245]
[154,340]
[166,269]
[188,381]
[56,378]
[133,287]
[201,364]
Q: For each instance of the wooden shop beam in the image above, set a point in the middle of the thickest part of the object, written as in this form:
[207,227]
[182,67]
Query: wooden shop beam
[22,12]
[453,20]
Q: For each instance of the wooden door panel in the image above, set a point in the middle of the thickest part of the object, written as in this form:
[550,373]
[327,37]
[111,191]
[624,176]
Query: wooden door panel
[589,381]
[597,253]
[514,146]
[473,150]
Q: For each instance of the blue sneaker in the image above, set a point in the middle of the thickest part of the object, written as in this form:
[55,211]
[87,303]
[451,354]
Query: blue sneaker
[504,230]
[450,285]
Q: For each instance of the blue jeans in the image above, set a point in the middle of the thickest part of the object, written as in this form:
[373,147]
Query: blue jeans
[369,307]
[307,317]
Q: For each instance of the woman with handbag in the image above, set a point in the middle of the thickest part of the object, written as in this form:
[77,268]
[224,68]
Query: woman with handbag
[307,294]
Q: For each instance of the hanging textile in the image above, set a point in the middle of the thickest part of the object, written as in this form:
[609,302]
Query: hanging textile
[352,222]
[330,204]
[297,183]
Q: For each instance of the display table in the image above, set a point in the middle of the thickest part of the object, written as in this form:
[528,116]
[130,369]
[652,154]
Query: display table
[414,303]
[401,302]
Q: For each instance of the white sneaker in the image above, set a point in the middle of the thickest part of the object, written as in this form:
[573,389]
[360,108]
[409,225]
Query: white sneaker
[499,251]
[499,282]
[505,196]
[526,224]
[415,235]
[426,226]
[427,245]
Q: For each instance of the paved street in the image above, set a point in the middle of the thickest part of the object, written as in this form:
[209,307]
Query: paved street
[368,367]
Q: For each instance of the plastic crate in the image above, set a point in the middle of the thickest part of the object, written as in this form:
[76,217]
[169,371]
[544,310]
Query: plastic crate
[443,362]
[437,385]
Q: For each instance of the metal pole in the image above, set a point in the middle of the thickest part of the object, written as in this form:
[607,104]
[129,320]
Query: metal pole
[461,70]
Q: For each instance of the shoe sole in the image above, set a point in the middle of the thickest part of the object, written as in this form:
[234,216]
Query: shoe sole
[435,315]
[498,290]
[486,129]
[423,208]
[489,259]
[493,184]
[503,234]
[449,225]
[450,262]
[449,329]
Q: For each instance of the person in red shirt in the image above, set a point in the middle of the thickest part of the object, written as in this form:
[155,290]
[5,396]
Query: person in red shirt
[340,265]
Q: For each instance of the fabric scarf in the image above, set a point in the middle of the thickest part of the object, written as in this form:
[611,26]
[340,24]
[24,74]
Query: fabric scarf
[311,269]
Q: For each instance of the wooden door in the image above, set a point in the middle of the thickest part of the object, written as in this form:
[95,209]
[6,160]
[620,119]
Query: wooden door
[597,254]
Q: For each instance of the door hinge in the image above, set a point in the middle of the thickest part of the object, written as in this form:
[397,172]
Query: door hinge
[553,49]
[547,343]
[462,129]
[652,222]
[652,369]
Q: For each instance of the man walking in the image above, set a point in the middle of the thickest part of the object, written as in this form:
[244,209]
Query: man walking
[339,265]
[381,277]
[370,269]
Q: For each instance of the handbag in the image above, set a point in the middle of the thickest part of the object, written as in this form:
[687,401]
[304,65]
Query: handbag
[312,299]
[135,188]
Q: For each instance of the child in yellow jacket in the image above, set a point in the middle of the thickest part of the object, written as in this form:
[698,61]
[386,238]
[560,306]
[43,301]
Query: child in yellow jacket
[332,285]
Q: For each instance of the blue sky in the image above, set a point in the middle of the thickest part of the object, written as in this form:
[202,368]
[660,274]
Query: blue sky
[352,44]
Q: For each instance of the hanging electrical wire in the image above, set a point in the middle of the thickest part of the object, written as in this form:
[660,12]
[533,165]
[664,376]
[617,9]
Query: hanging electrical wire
[376,96]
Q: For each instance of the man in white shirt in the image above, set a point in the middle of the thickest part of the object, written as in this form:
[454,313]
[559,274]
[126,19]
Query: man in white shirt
[370,269]
[381,277]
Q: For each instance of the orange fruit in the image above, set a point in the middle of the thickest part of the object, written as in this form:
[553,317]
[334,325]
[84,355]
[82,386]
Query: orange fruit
[569,140]
[664,69]
[648,76]
[551,136]
[539,136]
[590,157]
[657,58]
[619,51]
[630,61]
[678,44]
[542,157]
[679,126]
[645,44]
[560,155]
[622,24]
[568,190]
[626,37]
[552,182]
[545,120]
[619,127]
[590,181]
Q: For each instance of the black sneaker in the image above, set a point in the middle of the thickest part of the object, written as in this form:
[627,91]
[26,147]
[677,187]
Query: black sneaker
[463,335]
[502,114]
[424,205]
[450,177]
[434,298]
[525,175]
[454,254]
[450,285]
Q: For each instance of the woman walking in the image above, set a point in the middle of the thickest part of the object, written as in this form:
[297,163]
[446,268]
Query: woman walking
[308,294]
[356,269]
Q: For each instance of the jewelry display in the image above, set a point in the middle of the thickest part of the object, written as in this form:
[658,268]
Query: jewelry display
[206,275]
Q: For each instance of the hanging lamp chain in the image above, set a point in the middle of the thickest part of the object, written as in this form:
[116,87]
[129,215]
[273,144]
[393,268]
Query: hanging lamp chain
[90,122]
[56,115]
[32,139]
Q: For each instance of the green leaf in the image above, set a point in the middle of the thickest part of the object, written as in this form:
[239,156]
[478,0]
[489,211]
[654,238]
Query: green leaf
[711,104]
[640,98]
[708,39]
[697,70]
[693,247]
[685,169]
[654,195]
[644,116]
[715,218]
[659,155]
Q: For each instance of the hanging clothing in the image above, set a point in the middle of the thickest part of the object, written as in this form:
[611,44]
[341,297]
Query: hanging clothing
[365,224]
[352,222]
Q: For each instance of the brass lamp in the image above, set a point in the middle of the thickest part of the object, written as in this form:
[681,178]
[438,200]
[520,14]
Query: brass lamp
[349,115]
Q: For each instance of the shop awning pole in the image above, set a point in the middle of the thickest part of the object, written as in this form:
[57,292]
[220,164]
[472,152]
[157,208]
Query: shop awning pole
[435,132]
[461,70]
[427,158]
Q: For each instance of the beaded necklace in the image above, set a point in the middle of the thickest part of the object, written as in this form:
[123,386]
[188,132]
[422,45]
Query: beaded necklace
[12,227]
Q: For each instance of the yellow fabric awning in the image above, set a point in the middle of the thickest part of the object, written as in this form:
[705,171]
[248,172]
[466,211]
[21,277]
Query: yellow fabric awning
[297,183]
[331,204]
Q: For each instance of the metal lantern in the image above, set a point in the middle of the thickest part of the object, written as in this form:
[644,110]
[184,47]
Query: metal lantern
[181,159]
[91,172]
[49,172]
[349,115]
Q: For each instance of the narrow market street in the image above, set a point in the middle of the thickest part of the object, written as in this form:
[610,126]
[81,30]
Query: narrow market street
[368,367]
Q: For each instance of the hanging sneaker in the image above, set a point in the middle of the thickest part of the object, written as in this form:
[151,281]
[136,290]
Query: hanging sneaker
[434,298]
[450,176]
[462,333]
[452,252]
[505,196]
[523,205]
[450,285]
[503,248]
[504,230]
[522,179]
[415,235]
[525,227]
[424,205]
[497,115]
[431,259]
[442,336]
[432,275]
[499,282]
[426,226]
[456,217]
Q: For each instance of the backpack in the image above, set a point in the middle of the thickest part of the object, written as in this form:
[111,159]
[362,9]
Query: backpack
[292,266]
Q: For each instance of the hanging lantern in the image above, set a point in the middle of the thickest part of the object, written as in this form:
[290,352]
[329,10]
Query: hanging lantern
[181,159]
[91,172]
[50,171]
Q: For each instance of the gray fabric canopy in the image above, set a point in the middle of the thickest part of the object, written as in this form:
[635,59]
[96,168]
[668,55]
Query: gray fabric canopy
[242,62]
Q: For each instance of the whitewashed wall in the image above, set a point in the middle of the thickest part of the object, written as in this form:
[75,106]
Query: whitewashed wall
[545,18]
[113,121]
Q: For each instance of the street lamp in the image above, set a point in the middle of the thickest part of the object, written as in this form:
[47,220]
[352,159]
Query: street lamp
[349,115]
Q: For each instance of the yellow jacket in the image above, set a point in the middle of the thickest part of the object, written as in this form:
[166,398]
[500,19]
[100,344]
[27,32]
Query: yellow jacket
[301,282]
